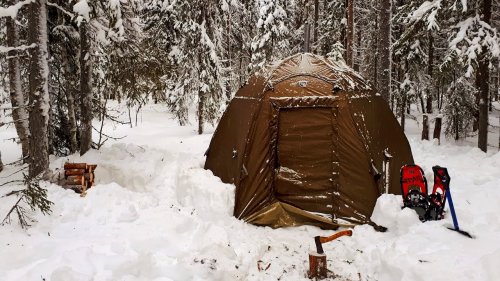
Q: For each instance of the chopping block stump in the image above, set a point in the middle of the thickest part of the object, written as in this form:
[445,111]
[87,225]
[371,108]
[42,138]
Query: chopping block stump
[317,266]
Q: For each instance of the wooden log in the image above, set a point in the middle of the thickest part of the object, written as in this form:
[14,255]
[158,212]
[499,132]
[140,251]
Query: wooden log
[91,167]
[69,166]
[317,266]
[437,129]
[84,189]
[90,179]
[72,180]
[74,172]
[89,176]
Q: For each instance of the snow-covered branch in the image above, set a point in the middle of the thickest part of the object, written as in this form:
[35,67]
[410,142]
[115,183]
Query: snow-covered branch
[11,11]
[472,38]
[4,49]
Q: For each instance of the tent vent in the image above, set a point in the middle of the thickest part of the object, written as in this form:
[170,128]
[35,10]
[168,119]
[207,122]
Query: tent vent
[302,84]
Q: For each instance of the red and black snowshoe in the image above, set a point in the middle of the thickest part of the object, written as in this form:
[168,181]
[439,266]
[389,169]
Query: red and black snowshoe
[438,197]
[414,190]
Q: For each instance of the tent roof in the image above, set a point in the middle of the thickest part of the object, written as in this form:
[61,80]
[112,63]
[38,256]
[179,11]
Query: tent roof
[336,73]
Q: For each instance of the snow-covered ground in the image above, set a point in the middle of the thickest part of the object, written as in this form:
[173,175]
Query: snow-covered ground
[156,214]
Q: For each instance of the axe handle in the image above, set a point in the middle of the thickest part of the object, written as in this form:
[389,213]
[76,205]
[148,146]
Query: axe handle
[335,236]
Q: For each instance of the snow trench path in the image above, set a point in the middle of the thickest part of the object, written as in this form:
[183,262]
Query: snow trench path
[153,215]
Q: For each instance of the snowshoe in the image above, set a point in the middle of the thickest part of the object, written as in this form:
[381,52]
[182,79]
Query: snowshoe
[437,199]
[414,190]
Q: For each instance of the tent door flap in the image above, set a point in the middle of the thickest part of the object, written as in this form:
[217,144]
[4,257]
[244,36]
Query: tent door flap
[307,169]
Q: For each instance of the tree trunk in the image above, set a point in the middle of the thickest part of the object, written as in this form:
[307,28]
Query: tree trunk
[19,112]
[358,51]
[475,124]
[403,110]
[201,113]
[307,33]
[484,79]
[85,88]
[420,97]
[229,59]
[350,32]
[375,51]
[70,101]
[497,88]
[490,96]
[307,29]
[384,49]
[1,163]
[437,129]
[316,19]
[429,72]
[38,89]
[425,127]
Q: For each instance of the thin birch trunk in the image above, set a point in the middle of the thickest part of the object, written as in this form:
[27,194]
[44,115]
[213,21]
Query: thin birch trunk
[19,112]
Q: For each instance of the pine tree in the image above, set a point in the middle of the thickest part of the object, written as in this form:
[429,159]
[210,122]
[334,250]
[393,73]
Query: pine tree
[190,37]
[460,108]
[331,26]
[270,42]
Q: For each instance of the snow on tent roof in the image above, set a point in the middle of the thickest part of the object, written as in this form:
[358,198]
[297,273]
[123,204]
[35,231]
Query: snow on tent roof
[336,73]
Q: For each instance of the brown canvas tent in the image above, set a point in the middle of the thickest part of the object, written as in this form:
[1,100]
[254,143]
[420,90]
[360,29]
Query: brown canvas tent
[305,143]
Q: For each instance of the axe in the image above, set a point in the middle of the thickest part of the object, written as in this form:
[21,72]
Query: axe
[320,240]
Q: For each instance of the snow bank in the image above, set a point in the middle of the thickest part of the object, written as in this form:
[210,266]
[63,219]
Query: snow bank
[156,214]
[388,213]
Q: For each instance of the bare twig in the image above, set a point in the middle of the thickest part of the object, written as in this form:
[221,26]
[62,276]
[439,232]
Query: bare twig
[14,192]
[9,182]
[22,169]
[114,138]
[7,217]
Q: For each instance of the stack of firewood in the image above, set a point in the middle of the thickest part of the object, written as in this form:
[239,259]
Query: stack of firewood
[79,176]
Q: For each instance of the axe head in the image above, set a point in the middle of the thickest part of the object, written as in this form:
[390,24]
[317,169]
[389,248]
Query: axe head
[319,247]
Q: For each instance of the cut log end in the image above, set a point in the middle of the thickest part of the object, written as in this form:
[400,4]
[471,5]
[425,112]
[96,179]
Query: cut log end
[70,166]
[74,172]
